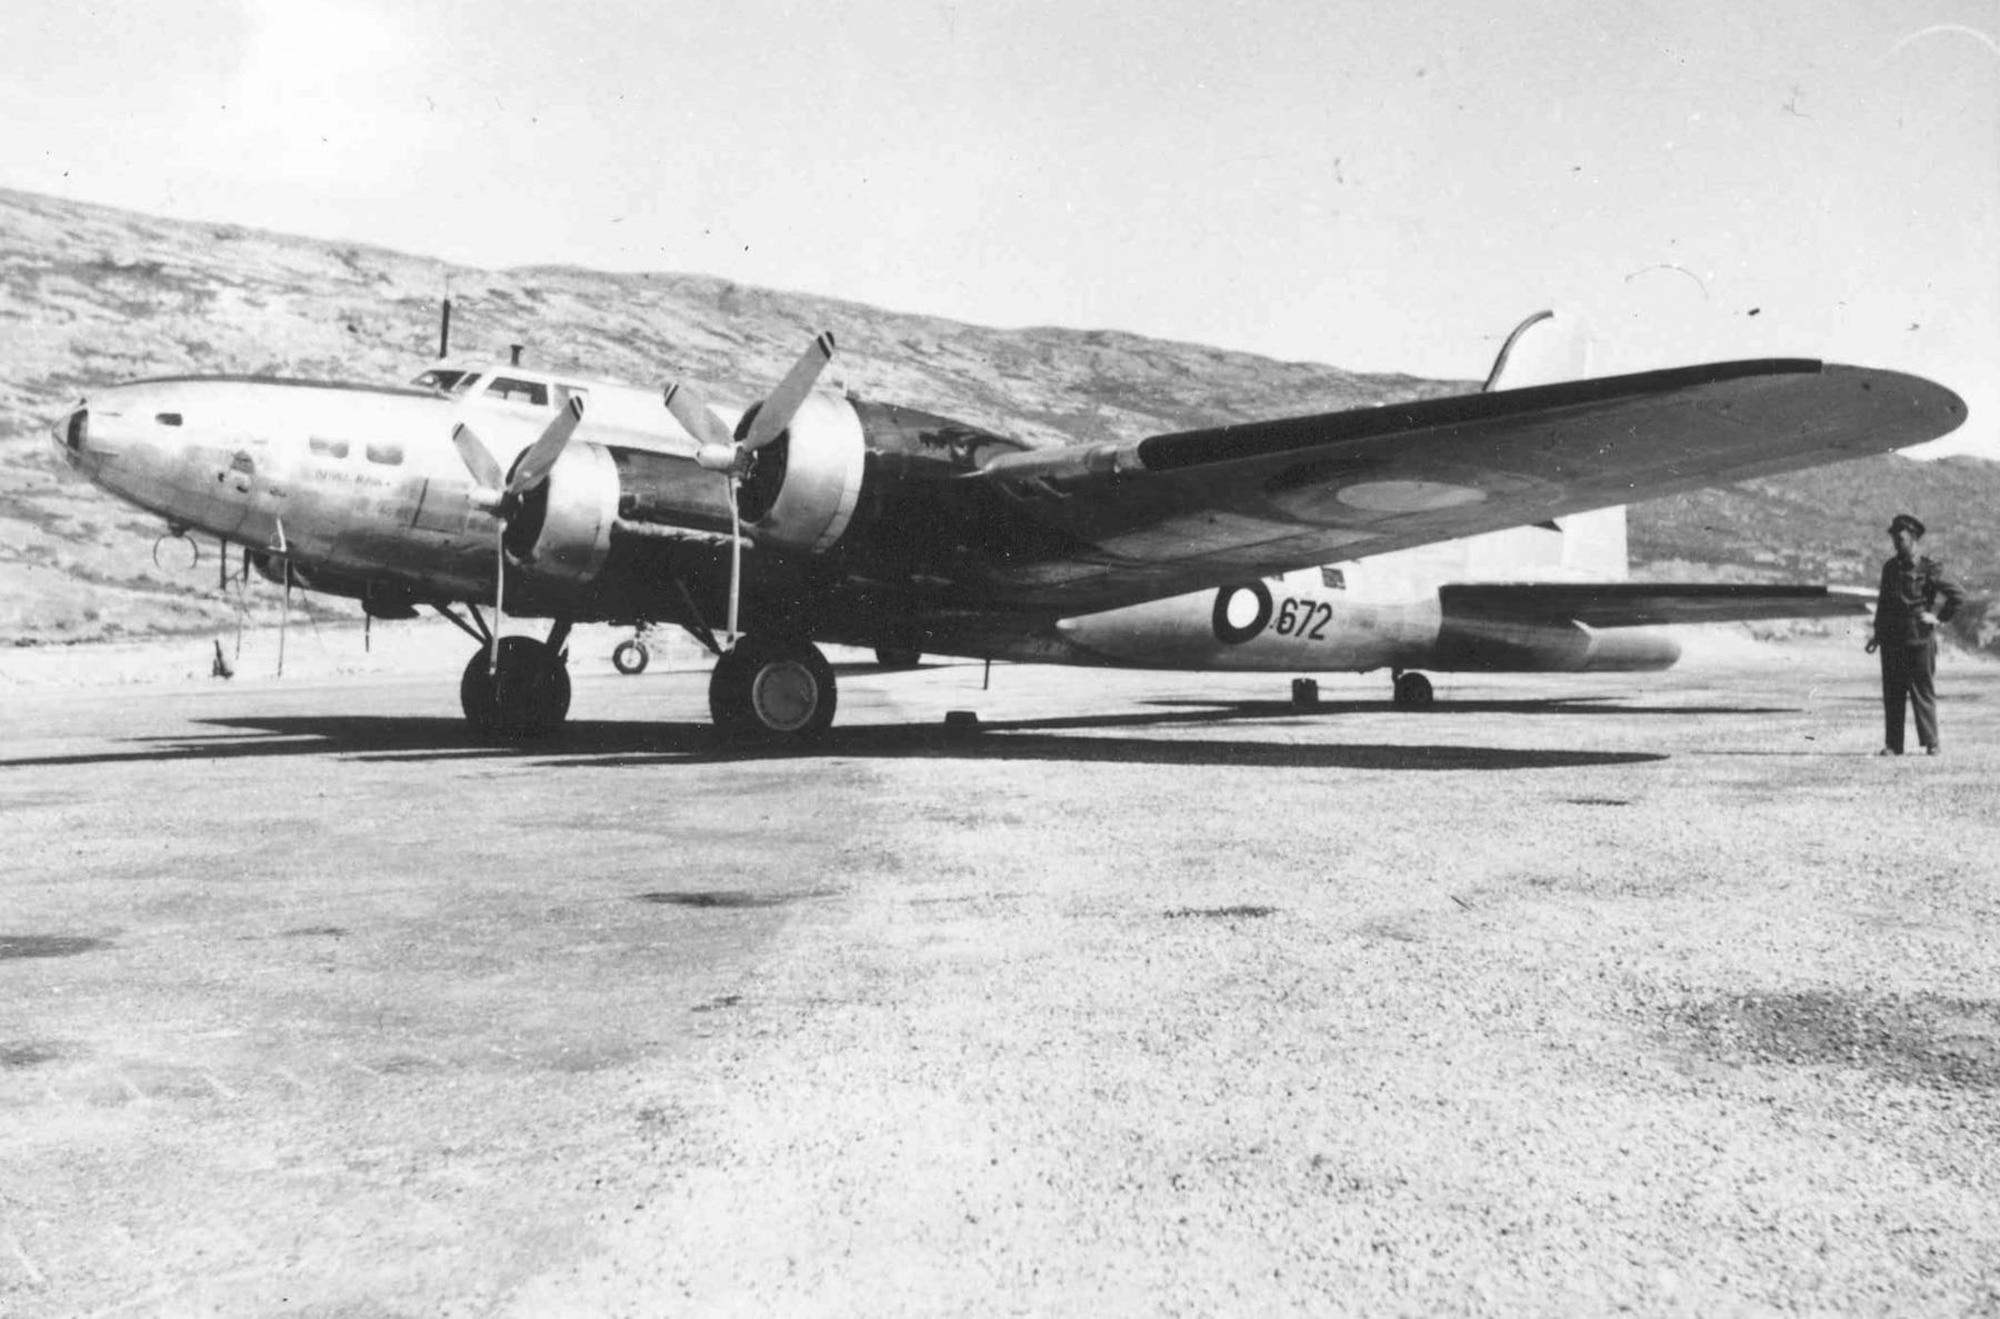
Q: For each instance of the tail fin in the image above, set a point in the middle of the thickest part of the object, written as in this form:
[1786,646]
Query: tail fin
[1543,350]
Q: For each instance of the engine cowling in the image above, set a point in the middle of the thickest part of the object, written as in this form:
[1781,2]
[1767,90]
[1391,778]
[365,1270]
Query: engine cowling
[562,531]
[803,489]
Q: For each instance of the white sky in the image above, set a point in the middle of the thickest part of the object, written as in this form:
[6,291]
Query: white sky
[1379,186]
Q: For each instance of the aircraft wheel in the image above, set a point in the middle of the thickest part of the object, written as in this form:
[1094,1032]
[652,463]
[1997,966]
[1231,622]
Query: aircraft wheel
[1413,689]
[893,657]
[527,696]
[772,689]
[631,657]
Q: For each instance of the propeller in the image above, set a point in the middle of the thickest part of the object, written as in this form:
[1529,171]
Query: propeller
[725,452]
[501,495]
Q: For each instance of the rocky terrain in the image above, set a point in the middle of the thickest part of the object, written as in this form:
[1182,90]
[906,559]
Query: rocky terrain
[91,295]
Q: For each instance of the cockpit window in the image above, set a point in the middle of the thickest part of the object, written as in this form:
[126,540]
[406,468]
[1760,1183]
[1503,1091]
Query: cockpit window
[446,380]
[519,391]
[167,418]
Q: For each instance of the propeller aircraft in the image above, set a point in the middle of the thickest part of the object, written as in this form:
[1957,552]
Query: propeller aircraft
[808,519]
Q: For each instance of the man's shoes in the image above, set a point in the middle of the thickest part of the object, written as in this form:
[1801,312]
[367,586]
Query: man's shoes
[1888,751]
[1930,750]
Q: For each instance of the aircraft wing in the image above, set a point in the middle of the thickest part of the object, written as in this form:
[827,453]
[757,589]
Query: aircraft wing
[1648,604]
[1096,526]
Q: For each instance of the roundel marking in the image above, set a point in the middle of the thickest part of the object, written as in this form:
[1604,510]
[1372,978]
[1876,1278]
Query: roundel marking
[1235,634]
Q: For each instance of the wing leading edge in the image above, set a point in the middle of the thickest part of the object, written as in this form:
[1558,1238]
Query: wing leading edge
[1183,511]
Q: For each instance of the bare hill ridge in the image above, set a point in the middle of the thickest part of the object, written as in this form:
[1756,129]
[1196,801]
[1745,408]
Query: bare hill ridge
[94,295]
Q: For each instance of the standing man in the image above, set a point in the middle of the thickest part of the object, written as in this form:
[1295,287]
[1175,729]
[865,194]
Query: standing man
[1915,598]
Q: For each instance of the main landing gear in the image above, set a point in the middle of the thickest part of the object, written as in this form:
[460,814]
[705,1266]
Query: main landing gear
[1412,689]
[772,687]
[525,695]
[523,691]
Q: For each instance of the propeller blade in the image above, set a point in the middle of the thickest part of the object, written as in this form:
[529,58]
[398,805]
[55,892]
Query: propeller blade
[477,457]
[534,466]
[698,419]
[785,401]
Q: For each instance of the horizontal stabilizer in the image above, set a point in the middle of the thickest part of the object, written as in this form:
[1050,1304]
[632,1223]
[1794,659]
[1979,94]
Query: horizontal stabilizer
[1652,604]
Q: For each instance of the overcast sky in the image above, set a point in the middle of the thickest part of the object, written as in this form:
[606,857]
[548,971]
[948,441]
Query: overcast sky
[1379,186]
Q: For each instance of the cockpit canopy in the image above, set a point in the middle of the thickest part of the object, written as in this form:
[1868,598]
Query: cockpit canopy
[498,384]
[508,388]
[447,379]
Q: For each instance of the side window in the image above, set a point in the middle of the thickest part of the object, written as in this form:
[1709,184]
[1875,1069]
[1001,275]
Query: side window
[519,391]
[326,448]
[1333,579]
[389,455]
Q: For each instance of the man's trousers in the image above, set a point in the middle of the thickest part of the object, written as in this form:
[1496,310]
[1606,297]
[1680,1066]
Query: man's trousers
[1907,675]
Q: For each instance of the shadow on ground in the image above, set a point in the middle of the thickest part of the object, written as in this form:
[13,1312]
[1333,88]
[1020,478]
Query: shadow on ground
[1600,705]
[1918,1040]
[609,744]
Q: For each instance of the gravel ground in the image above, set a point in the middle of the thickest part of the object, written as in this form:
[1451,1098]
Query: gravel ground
[1646,993]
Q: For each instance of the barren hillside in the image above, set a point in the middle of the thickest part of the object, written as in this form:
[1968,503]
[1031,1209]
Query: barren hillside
[90,296]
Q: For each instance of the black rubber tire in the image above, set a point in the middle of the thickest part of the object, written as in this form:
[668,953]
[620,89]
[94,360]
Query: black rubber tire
[1414,690]
[475,693]
[528,697]
[631,657]
[773,690]
[728,692]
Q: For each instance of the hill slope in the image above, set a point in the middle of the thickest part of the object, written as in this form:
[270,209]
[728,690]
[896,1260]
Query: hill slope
[91,295]
[1831,524]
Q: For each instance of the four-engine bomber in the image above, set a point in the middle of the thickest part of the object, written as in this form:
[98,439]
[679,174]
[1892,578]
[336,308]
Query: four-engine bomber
[811,517]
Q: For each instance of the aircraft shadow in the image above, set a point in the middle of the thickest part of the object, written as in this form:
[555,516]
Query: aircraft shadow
[1599,705]
[612,744]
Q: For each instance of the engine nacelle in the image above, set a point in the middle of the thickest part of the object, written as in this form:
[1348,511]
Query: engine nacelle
[805,485]
[562,531]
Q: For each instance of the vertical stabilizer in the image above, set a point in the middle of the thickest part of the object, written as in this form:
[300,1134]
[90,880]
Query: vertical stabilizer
[1545,349]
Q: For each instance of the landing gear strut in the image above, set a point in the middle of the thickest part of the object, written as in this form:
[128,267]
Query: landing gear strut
[1412,689]
[772,687]
[525,695]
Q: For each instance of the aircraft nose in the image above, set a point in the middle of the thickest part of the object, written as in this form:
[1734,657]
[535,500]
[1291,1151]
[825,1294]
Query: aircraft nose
[72,433]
